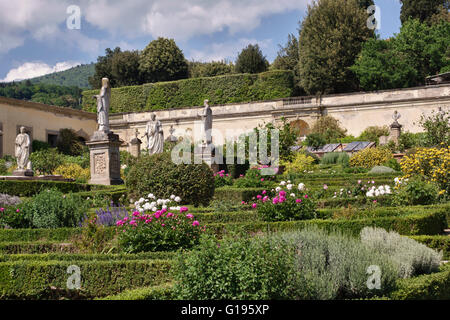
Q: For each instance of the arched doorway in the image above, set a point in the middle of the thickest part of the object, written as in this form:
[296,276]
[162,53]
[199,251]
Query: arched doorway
[301,126]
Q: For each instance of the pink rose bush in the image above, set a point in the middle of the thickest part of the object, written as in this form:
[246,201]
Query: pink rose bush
[286,205]
[158,226]
[222,179]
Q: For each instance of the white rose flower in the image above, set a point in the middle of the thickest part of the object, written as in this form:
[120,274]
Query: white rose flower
[177,199]
[154,209]
[172,197]
[277,189]
[150,195]
[289,186]
[292,195]
[282,183]
[301,186]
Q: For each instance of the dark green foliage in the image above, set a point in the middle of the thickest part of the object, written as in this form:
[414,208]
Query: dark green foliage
[373,133]
[161,292]
[392,163]
[335,158]
[103,68]
[42,93]
[3,168]
[315,140]
[416,192]
[439,243]
[330,39]
[159,175]
[209,69]
[53,209]
[33,279]
[424,10]
[251,60]
[46,161]
[192,92]
[76,76]
[125,68]
[405,60]
[30,188]
[162,60]
[37,145]
[257,268]
[68,143]
[408,140]
[329,128]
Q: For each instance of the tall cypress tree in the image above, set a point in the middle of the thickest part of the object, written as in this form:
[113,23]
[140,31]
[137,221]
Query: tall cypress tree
[423,10]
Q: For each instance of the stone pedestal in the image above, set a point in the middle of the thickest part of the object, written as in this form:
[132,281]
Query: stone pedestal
[205,153]
[105,158]
[135,147]
[395,131]
[23,173]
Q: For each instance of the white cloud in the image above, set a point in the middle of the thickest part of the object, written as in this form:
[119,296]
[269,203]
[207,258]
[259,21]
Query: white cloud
[226,50]
[35,69]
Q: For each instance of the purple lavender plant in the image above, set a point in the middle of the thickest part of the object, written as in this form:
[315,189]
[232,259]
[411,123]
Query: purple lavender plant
[110,216]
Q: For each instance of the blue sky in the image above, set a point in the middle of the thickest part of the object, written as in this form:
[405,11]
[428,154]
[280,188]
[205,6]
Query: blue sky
[35,40]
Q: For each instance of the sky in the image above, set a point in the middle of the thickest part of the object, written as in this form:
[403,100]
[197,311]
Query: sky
[43,36]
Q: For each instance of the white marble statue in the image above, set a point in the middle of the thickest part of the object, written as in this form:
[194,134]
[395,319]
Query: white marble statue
[155,135]
[22,151]
[206,116]
[103,106]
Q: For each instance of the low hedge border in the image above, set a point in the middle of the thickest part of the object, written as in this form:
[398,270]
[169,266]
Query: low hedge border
[439,243]
[48,279]
[416,224]
[36,247]
[429,222]
[161,292]
[28,188]
[87,257]
[435,286]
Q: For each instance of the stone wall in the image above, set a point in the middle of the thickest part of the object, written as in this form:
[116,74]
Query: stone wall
[355,111]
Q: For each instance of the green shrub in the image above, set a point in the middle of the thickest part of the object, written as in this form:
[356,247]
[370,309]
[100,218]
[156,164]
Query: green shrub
[191,92]
[194,183]
[315,140]
[373,133]
[68,143]
[259,268]
[161,292]
[46,161]
[37,145]
[343,159]
[3,168]
[394,164]
[222,179]
[335,158]
[438,243]
[307,264]
[53,209]
[370,157]
[416,191]
[411,257]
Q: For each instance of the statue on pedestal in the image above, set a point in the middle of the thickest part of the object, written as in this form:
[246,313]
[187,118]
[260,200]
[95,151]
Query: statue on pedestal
[155,136]
[103,105]
[206,116]
[22,153]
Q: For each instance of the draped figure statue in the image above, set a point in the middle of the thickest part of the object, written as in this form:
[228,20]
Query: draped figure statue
[103,105]
[155,136]
[22,150]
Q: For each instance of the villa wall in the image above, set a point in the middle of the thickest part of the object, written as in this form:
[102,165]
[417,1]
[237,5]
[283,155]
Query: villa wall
[41,120]
[355,111]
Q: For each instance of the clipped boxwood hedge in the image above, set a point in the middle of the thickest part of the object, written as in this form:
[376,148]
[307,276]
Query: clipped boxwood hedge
[35,247]
[435,286]
[161,292]
[161,255]
[232,88]
[431,223]
[28,188]
[35,279]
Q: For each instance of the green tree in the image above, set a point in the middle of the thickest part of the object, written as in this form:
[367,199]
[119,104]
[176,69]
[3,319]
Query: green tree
[419,50]
[424,10]
[287,58]
[125,68]
[330,39]
[329,128]
[162,60]
[103,68]
[251,60]
[437,128]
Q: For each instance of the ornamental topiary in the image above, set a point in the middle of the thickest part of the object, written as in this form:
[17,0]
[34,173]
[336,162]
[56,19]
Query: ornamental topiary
[194,183]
